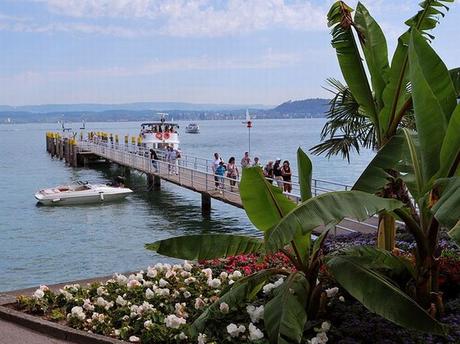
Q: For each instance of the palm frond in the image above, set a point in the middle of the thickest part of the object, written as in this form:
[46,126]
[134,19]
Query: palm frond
[346,129]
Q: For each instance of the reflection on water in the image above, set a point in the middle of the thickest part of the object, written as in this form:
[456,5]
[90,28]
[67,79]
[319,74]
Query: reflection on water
[56,244]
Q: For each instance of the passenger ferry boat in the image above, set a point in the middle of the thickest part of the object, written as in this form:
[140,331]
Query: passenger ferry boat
[159,135]
[192,128]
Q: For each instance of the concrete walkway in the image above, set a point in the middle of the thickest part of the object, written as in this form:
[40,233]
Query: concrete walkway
[11,333]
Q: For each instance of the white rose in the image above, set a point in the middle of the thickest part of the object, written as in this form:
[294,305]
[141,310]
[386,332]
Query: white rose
[148,324]
[190,280]
[78,312]
[87,305]
[187,294]
[325,326]
[254,333]
[255,313]
[202,338]
[133,283]
[101,291]
[134,339]
[187,266]
[152,272]
[149,294]
[341,299]
[38,294]
[223,275]
[207,272]
[331,292]
[234,331]
[121,301]
[236,274]
[214,283]
[174,321]
[199,303]
[224,308]
[162,283]
[185,274]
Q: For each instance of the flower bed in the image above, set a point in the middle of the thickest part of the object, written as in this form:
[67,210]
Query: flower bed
[160,304]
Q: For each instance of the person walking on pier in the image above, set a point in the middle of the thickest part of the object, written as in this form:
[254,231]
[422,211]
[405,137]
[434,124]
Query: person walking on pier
[268,172]
[286,173]
[154,158]
[220,172]
[214,166]
[232,172]
[277,173]
[256,162]
[246,161]
[173,161]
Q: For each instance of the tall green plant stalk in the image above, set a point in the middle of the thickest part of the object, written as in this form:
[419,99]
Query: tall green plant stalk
[384,100]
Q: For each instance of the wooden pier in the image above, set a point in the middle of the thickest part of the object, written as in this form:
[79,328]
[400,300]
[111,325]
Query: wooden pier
[189,172]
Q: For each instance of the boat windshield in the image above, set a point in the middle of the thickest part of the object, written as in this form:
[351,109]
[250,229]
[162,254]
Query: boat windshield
[159,127]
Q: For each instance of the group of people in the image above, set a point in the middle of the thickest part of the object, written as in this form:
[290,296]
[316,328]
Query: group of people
[171,156]
[273,171]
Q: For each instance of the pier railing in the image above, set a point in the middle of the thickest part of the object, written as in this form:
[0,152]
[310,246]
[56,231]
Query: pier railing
[195,173]
[201,164]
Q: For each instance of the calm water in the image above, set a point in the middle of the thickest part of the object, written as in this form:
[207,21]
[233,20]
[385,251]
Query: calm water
[56,244]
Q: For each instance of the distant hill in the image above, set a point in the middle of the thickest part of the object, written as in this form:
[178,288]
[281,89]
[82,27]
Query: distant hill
[141,106]
[147,111]
[307,107]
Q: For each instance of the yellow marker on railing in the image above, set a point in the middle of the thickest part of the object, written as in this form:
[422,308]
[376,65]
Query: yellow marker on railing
[133,140]
[116,138]
[126,139]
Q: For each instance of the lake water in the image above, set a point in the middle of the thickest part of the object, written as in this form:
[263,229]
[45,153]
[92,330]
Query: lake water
[45,245]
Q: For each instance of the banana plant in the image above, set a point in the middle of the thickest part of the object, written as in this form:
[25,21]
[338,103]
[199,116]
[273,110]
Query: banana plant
[288,228]
[425,174]
[375,106]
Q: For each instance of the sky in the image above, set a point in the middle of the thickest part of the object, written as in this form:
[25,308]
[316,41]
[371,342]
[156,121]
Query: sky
[199,51]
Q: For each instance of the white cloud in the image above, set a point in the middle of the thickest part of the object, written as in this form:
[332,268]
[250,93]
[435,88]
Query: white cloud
[190,18]
[269,60]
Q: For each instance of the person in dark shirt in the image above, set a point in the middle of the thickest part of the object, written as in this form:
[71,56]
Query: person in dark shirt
[286,174]
[277,173]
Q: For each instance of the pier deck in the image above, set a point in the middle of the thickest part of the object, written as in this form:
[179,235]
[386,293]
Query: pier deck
[195,174]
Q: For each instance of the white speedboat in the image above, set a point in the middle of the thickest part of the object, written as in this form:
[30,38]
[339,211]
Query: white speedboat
[81,193]
[192,128]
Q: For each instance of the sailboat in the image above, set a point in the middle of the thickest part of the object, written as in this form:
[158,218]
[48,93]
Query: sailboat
[248,119]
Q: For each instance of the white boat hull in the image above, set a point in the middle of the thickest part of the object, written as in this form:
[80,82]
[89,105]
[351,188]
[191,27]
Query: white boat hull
[98,194]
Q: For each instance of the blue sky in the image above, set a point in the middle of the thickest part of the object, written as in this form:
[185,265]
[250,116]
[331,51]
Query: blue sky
[201,51]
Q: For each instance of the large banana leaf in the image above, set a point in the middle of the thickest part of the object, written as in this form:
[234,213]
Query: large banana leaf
[395,267]
[428,17]
[375,50]
[381,296]
[327,209]
[264,203]
[431,116]
[446,209]
[285,315]
[305,171]
[349,58]
[455,76]
[243,290]
[395,95]
[209,246]
[400,154]
[450,149]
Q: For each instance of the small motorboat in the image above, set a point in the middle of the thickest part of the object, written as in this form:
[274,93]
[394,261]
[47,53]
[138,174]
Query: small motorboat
[81,193]
[192,128]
